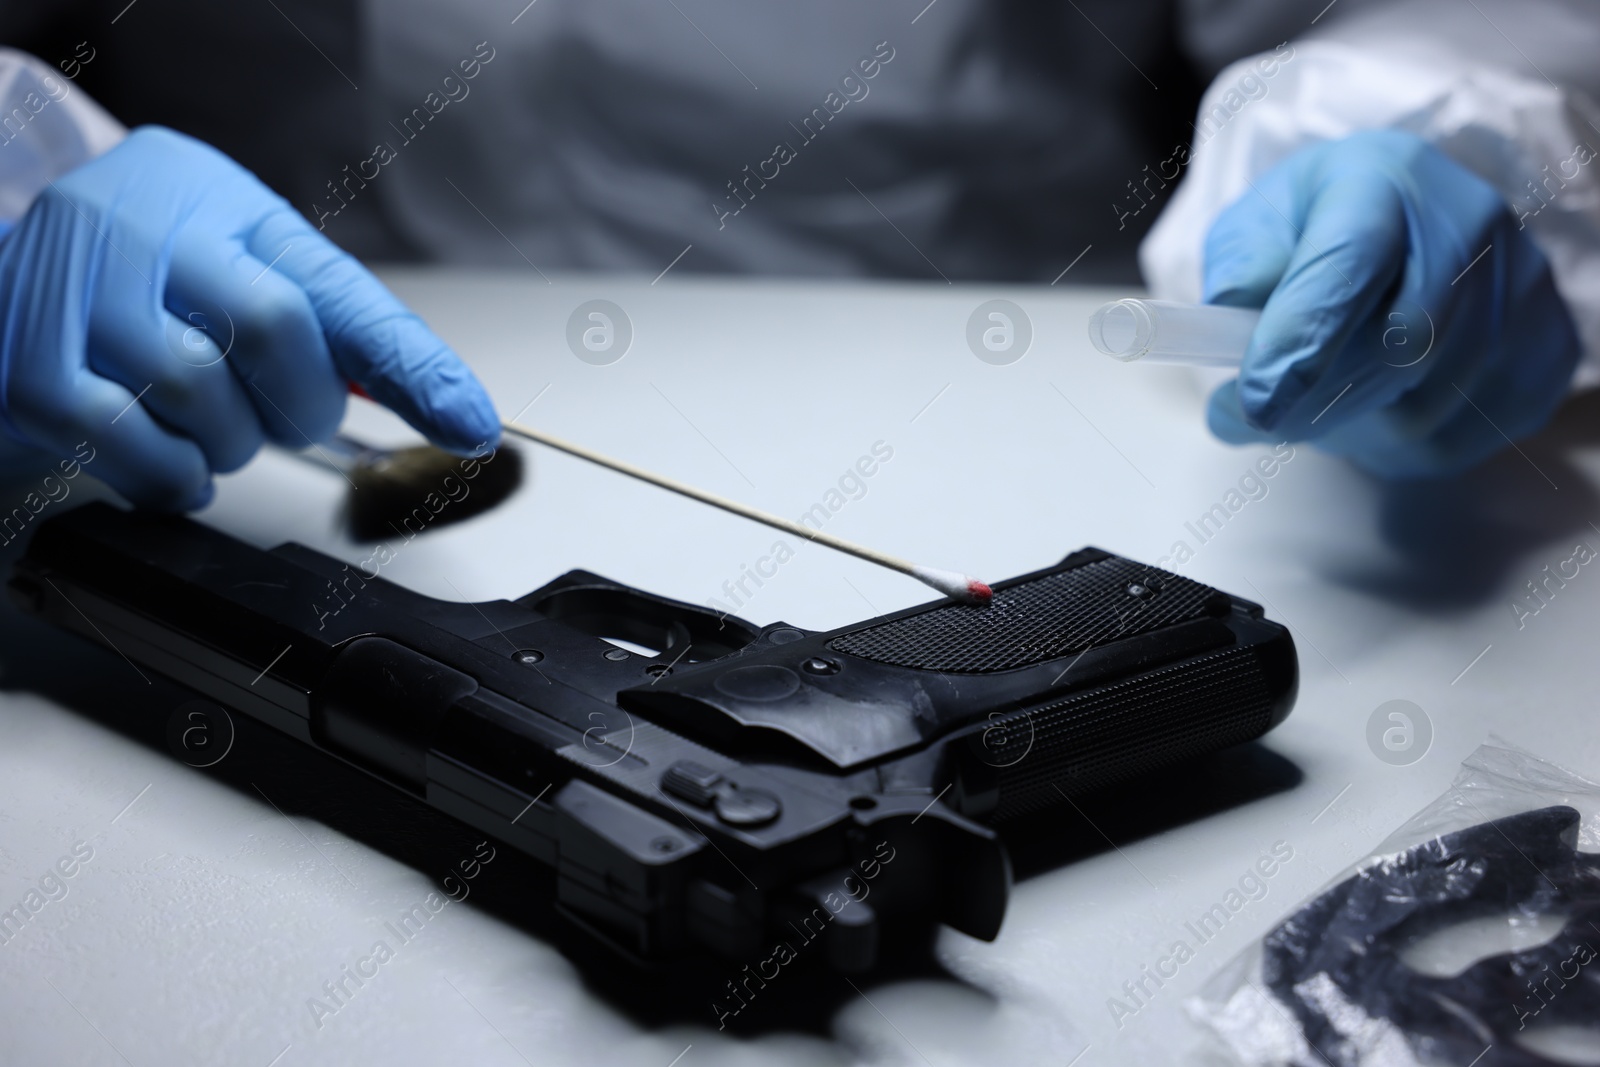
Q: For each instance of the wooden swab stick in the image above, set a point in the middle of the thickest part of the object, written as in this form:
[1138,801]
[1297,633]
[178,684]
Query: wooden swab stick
[949,583]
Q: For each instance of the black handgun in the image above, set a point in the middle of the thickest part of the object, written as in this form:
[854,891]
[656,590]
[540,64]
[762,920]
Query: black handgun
[741,784]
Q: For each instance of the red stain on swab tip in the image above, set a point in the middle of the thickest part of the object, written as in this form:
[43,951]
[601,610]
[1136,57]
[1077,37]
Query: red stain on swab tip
[962,587]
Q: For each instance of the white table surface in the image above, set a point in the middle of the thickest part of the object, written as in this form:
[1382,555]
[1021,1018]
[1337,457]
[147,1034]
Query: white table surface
[206,918]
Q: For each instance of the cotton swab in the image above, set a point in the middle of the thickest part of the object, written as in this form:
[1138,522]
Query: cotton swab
[950,583]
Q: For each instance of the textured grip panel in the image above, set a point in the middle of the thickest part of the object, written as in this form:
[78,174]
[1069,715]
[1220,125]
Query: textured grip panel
[1106,735]
[1049,617]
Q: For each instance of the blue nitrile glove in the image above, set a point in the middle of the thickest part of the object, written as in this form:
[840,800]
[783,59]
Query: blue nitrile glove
[1407,322]
[162,305]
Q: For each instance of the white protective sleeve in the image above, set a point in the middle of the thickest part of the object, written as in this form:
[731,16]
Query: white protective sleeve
[47,127]
[1519,113]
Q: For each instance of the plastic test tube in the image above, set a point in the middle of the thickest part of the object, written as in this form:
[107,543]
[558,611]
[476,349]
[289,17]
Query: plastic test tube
[1165,331]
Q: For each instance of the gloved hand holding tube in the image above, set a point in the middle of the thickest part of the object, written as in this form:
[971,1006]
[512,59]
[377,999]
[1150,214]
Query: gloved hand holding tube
[1407,323]
[163,304]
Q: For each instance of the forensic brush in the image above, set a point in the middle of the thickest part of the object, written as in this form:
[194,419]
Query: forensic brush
[388,486]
